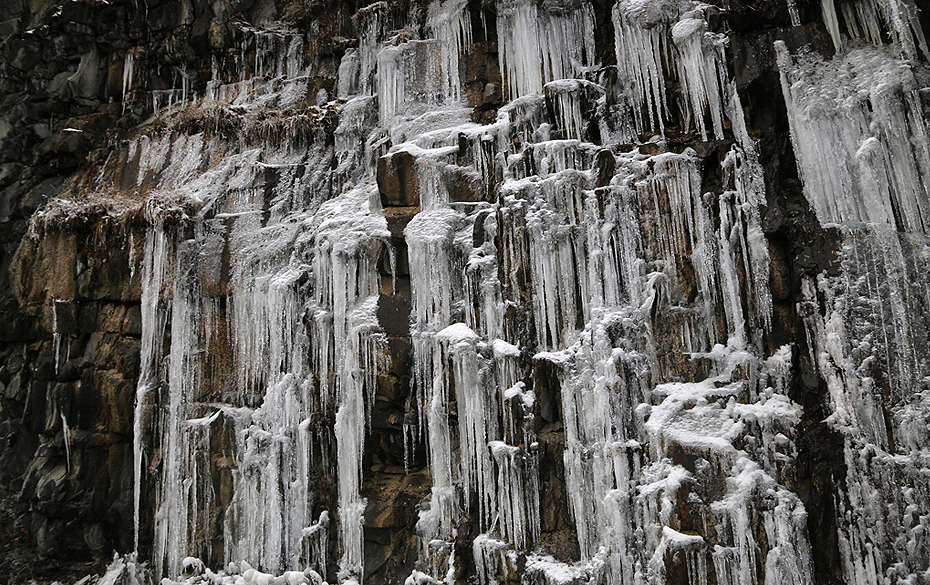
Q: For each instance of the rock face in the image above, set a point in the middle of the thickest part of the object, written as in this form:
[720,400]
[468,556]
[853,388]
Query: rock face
[500,291]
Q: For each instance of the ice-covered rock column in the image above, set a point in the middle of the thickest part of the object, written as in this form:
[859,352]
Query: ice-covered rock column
[867,325]
[667,474]
[268,343]
[559,264]
[429,238]
[747,434]
[348,241]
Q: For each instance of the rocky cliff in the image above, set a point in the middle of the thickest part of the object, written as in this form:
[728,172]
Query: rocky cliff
[494,291]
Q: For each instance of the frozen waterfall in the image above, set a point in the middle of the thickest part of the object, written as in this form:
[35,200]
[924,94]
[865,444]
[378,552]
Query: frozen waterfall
[534,316]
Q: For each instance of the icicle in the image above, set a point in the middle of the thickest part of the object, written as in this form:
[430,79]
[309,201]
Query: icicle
[370,24]
[128,63]
[347,242]
[390,82]
[316,540]
[185,85]
[449,22]
[348,77]
[66,434]
[294,60]
[477,417]
[866,18]
[177,496]
[58,307]
[154,270]
[429,239]
[835,110]
[535,48]
[641,52]
[568,97]
[702,71]
[831,21]
[513,504]
[793,13]
[519,47]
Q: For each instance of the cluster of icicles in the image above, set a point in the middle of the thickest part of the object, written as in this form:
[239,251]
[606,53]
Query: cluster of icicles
[591,243]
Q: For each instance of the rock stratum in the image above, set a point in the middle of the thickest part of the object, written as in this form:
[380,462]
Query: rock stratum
[553,292]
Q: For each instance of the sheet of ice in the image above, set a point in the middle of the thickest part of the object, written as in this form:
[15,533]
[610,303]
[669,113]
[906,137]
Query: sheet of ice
[154,319]
[180,494]
[128,66]
[371,22]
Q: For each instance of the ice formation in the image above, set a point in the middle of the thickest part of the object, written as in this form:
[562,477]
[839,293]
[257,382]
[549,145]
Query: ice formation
[595,308]
[868,338]
[541,43]
[869,20]
[860,132]
[270,415]
[449,22]
[657,42]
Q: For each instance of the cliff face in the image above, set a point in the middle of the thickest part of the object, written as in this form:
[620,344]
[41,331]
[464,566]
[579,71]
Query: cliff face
[513,291]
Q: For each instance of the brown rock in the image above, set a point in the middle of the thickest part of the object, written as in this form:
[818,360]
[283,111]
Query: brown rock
[398,183]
